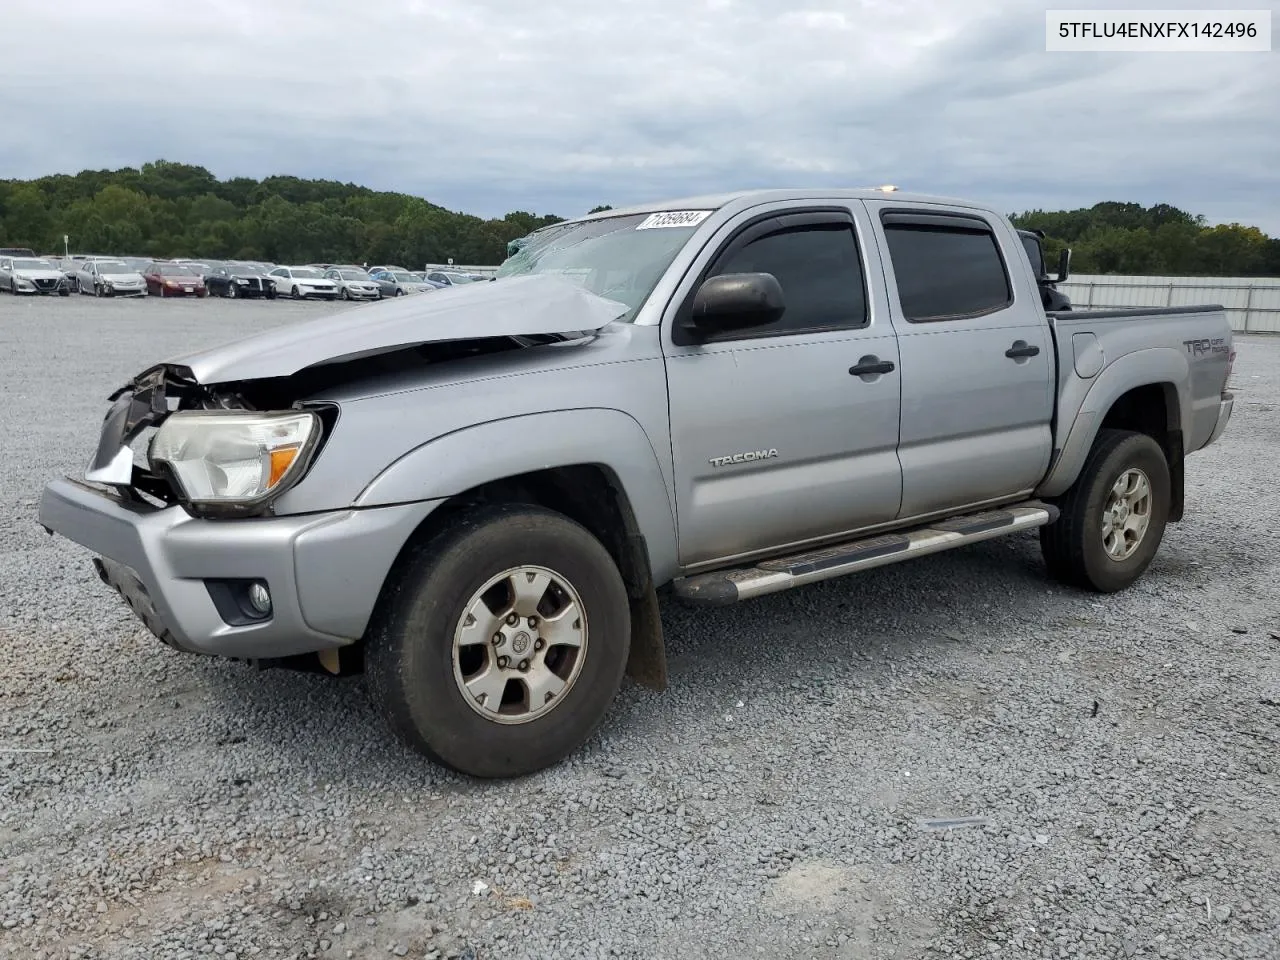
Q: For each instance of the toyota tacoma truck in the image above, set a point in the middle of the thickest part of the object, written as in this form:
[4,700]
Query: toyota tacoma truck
[477,498]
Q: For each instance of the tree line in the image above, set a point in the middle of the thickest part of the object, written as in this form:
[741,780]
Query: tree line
[1128,238]
[170,209]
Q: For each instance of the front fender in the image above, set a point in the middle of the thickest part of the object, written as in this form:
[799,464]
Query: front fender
[1138,369]
[458,461]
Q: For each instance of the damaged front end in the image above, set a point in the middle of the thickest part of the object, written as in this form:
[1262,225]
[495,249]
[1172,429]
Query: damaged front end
[136,409]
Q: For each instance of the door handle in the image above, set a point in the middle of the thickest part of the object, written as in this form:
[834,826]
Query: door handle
[870,365]
[1021,349]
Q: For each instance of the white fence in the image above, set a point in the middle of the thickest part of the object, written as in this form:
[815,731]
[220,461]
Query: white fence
[1252,303]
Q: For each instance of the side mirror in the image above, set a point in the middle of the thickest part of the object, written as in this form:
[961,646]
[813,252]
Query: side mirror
[735,301]
[1064,265]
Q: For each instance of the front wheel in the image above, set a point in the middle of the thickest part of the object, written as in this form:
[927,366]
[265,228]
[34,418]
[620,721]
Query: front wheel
[297,294]
[501,642]
[1113,518]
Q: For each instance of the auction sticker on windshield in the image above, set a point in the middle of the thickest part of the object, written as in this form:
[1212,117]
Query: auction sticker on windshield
[673,218]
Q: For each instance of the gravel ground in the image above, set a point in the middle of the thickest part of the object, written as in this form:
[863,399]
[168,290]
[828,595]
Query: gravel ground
[1120,752]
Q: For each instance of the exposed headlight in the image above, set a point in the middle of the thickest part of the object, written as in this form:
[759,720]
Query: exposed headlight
[233,459]
[242,281]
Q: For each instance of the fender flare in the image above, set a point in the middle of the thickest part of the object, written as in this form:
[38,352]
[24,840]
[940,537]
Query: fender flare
[455,462]
[1157,365]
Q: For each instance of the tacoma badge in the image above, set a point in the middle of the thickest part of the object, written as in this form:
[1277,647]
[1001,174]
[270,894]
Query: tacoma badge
[748,457]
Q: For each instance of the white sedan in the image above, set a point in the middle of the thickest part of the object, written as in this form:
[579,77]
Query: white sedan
[110,278]
[303,282]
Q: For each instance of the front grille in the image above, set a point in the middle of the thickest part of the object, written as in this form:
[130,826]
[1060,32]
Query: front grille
[44,284]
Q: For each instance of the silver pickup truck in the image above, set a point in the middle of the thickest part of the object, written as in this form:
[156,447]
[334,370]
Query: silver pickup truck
[477,497]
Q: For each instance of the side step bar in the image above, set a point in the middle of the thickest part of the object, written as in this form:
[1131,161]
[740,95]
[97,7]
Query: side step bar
[724,587]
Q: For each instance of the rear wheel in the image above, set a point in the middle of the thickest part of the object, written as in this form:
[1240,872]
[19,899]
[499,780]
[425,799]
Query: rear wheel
[1113,518]
[501,642]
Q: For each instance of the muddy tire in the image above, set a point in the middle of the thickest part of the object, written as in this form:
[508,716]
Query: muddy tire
[500,642]
[1113,518]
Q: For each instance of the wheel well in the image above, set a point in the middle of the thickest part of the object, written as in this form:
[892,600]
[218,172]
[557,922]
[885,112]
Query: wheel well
[586,493]
[1153,409]
[593,496]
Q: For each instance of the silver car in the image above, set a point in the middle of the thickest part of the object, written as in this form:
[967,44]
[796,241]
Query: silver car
[110,278]
[354,284]
[32,275]
[451,278]
[397,283]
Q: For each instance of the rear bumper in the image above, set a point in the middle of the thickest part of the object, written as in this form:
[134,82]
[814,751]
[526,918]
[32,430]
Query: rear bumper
[324,571]
[1224,416]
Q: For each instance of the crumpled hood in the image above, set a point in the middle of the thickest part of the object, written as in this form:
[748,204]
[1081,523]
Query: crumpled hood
[516,306]
[122,277]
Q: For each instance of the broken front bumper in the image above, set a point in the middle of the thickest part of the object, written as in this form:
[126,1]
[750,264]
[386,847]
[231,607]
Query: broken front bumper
[323,571]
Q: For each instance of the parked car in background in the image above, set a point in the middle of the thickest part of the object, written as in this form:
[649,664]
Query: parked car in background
[354,284]
[25,253]
[398,283]
[450,278]
[235,280]
[109,278]
[32,275]
[303,282]
[386,268]
[165,278]
[136,263]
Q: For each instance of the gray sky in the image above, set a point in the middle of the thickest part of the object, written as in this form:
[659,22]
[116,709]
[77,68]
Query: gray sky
[555,106]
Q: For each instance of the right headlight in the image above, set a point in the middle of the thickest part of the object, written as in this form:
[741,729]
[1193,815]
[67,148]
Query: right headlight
[233,461]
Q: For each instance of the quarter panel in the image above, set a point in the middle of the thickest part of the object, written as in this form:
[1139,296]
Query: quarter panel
[1085,403]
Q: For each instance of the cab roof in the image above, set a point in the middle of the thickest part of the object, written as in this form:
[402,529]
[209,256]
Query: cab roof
[743,199]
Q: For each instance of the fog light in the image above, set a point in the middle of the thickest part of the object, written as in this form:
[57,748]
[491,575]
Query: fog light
[260,597]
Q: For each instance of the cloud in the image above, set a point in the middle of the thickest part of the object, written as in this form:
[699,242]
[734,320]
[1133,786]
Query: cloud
[494,105]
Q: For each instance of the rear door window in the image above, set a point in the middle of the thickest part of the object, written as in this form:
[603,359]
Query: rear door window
[946,268]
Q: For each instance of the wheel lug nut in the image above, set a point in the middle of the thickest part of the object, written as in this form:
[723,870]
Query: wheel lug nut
[497,639]
[513,619]
[502,662]
[539,644]
[524,664]
[533,622]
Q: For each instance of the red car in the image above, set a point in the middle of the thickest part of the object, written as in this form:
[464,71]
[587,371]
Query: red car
[167,279]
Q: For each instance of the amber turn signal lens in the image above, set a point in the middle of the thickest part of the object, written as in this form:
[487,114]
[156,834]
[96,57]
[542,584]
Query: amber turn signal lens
[281,460]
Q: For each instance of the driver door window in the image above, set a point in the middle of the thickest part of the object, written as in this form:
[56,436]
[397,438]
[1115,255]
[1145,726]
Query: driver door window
[820,274]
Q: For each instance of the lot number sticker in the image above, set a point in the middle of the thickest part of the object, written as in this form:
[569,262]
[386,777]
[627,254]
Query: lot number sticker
[673,218]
